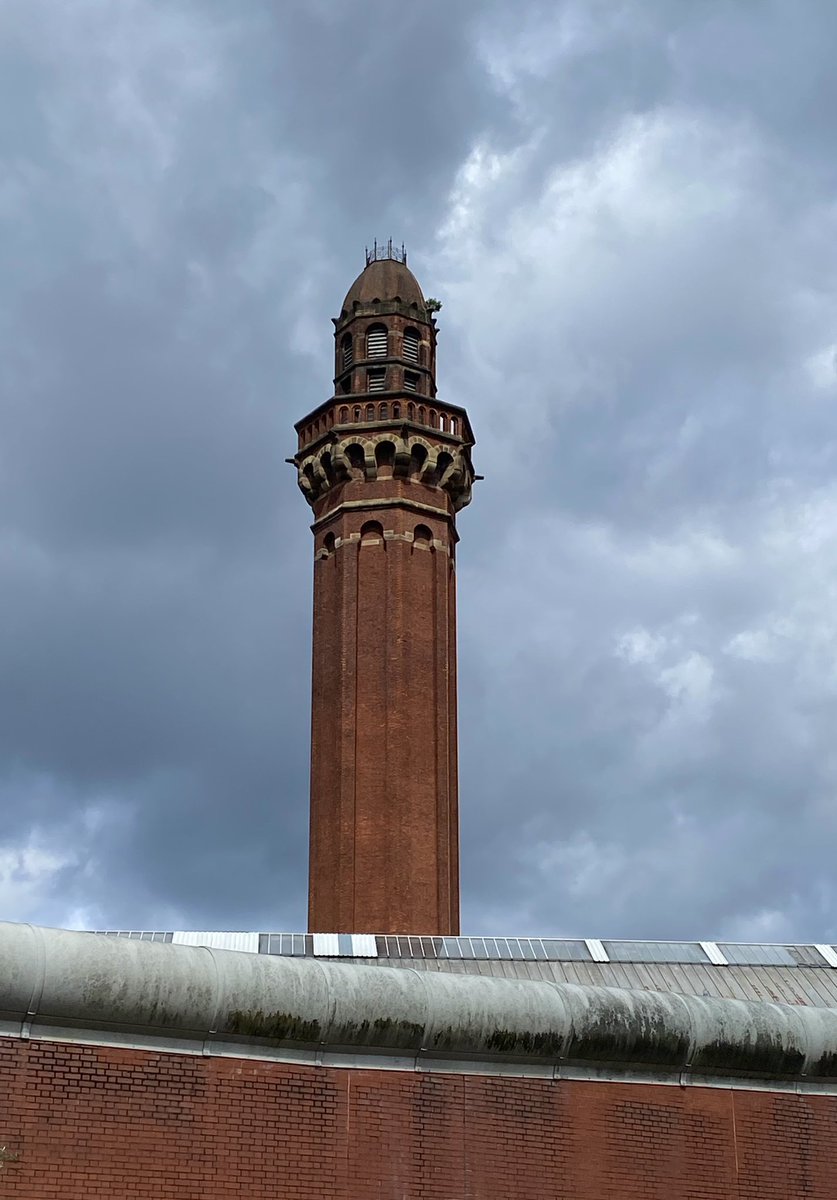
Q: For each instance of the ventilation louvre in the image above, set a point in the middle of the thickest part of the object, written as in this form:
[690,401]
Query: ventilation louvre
[376,342]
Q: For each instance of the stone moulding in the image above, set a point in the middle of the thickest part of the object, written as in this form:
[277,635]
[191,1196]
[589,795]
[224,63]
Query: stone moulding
[64,985]
[444,466]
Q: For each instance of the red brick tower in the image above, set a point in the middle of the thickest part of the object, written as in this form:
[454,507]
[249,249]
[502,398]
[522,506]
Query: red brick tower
[385,468]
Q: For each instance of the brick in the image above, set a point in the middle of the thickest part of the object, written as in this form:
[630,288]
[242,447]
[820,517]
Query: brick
[208,1129]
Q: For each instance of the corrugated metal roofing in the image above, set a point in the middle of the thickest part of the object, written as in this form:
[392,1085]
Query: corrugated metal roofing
[784,985]
[785,974]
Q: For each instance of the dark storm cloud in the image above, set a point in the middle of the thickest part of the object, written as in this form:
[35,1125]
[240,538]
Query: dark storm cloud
[666,280]
[628,211]
[187,193]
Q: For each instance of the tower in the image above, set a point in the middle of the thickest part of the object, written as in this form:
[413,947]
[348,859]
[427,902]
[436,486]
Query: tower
[385,467]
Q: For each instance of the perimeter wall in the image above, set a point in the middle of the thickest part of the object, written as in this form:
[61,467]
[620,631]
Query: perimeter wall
[95,1121]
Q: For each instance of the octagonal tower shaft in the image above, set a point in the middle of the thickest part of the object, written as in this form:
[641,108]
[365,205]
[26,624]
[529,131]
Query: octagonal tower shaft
[385,467]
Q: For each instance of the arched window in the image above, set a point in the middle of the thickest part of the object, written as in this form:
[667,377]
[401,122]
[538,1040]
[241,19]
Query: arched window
[433,418]
[356,413]
[370,412]
[396,410]
[376,341]
[371,534]
[344,415]
[410,381]
[411,345]
[383,411]
[346,350]
[443,422]
[422,537]
[454,426]
[411,412]
[422,415]
[328,544]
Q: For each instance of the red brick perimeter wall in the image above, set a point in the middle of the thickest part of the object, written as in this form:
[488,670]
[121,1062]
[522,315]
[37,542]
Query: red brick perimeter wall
[95,1121]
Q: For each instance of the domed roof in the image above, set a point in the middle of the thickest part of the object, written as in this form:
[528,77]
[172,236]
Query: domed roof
[383,280]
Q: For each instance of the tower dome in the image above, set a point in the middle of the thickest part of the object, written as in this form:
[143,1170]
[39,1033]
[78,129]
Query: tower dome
[385,280]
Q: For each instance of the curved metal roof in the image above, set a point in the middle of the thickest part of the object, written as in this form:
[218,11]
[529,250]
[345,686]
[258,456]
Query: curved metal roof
[64,985]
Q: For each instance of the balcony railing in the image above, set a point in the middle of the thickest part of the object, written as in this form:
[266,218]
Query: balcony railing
[385,251]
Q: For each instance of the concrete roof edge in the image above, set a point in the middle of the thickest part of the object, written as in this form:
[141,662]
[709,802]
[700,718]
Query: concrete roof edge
[58,980]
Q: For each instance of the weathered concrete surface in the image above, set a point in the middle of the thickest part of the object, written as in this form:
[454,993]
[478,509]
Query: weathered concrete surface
[54,981]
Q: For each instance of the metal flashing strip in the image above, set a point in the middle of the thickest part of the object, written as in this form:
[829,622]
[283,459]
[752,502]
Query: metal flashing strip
[597,950]
[714,954]
[345,945]
[425,1064]
[247,942]
[828,954]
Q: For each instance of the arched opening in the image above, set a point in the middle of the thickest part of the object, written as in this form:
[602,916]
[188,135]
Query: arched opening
[443,461]
[411,411]
[357,460]
[328,467]
[454,426]
[443,423]
[357,413]
[433,418]
[422,415]
[376,341]
[329,544]
[396,411]
[370,412]
[411,345]
[418,457]
[422,538]
[372,534]
[346,351]
[385,459]
[383,411]
[344,415]
[410,381]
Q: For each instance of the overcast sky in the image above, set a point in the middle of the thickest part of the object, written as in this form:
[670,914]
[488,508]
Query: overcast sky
[629,211]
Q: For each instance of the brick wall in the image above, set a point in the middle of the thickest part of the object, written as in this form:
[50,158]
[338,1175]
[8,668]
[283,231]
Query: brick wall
[91,1122]
[384,809]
